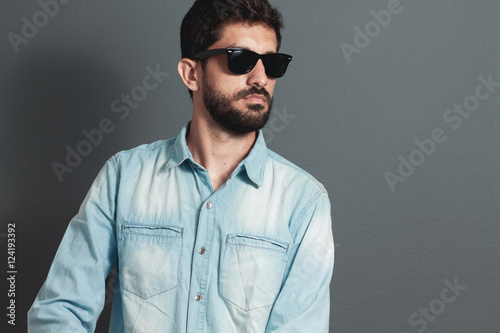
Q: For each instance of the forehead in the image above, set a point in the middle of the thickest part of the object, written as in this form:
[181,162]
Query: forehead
[257,37]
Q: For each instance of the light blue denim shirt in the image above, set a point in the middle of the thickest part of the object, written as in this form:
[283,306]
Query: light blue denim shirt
[254,256]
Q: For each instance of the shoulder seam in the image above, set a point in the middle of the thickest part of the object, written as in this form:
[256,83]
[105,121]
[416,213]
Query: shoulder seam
[284,161]
[316,195]
[114,162]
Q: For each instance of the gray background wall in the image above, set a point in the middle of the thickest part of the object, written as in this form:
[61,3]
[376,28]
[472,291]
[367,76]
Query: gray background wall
[349,123]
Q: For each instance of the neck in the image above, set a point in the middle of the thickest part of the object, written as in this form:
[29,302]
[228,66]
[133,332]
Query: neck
[216,149]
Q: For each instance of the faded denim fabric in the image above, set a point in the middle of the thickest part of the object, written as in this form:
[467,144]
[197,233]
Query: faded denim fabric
[254,256]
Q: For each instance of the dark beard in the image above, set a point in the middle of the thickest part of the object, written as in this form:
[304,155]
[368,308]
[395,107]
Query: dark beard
[232,119]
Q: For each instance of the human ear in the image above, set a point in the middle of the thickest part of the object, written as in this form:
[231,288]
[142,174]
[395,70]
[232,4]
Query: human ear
[187,71]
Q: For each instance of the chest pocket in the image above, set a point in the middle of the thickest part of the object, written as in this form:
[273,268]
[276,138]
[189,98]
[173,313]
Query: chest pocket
[251,270]
[149,258]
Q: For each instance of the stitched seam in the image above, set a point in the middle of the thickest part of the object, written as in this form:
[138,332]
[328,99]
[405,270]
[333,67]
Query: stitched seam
[114,163]
[149,235]
[155,146]
[302,213]
[283,161]
[282,251]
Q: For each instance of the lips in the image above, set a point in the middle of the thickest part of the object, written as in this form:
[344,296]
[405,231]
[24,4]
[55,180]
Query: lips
[255,98]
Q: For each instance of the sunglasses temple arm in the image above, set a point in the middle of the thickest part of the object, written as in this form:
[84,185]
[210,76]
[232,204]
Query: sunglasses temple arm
[209,53]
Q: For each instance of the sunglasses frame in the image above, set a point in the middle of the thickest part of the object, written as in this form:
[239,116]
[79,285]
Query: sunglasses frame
[229,51]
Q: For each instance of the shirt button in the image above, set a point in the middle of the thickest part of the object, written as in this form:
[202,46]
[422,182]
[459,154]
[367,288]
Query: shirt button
[209,205]
[202,250]
[197,297]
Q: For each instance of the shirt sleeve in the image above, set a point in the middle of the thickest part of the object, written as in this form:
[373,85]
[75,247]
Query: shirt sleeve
[303,304]
[72,297]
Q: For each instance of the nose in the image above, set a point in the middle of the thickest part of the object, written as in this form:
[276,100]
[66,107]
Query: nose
[258,77]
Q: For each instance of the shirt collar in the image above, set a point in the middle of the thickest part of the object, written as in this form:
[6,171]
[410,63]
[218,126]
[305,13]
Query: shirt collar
[180,151]
[254,164]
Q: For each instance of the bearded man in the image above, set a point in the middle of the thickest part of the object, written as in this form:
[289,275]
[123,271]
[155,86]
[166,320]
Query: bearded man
[212,231]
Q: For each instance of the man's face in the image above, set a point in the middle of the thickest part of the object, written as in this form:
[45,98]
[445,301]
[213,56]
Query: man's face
[240,103]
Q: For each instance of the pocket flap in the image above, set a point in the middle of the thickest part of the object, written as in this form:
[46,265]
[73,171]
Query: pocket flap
[152,230]
[257,241]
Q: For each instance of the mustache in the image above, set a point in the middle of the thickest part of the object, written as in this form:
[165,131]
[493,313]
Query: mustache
[254,91]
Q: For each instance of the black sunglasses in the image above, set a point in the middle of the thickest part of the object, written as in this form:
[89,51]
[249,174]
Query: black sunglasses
[242,61]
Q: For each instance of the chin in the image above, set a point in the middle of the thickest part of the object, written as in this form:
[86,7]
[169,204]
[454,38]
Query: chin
[258,107]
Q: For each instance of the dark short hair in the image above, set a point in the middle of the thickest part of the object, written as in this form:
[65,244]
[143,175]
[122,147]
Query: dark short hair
[202,26]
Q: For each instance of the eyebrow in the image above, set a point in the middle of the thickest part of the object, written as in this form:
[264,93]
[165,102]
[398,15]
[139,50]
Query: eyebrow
[246,48]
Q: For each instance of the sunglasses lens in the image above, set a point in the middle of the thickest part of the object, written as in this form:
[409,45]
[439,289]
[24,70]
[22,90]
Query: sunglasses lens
[242,61]
[276,64]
